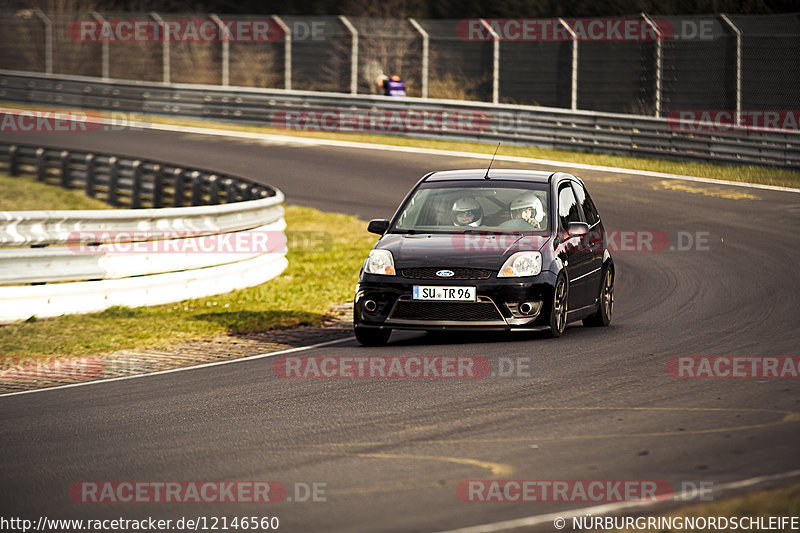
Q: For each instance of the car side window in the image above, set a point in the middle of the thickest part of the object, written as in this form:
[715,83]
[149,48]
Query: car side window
[589,210]
[568,210]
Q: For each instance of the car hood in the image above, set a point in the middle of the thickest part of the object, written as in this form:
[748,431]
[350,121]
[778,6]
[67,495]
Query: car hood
[471,249]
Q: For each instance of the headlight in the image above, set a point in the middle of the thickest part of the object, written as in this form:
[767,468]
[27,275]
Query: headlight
[379,262]
[521,264]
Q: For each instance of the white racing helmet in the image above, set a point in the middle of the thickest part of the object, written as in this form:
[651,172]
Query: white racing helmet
[528,200]
[467,212]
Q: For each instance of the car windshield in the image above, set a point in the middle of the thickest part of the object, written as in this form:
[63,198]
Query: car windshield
[450,208]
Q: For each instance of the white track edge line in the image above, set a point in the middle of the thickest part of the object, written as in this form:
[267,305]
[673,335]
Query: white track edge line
[182,369]
[536,520]
[430,151]
[453,153]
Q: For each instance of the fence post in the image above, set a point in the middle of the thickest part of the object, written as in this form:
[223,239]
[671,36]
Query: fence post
[12,160]
[48,40]
[89,190]
[113,178]
[136,185]
[425,55]
[230,191]
[659,62]
[197,188]
[226,49]
[738,32]
[165,63]
[158,186]
[99,18]
[65,177]
[41,165]
[353,54]
[287,53]
[177,199]
[244,190]
[213,189]
[573,93]
[495,61]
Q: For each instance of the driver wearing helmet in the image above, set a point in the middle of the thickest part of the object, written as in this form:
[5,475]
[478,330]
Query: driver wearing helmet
[467,212]
[527,212]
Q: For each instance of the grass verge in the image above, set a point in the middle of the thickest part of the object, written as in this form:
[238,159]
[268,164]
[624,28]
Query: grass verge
[318,277]
[25,194]
[748,174]
[767,503]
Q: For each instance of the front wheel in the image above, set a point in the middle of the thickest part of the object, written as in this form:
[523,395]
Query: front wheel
[605,304]
[372,337]
[558,313]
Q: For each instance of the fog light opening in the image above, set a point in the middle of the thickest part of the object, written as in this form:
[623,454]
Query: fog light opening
[529,308]
[370,306]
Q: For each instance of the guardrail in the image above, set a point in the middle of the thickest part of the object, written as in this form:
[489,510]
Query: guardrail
[63,262]
[629,135]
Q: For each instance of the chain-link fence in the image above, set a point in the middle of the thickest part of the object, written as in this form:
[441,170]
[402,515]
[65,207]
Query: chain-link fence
[633,64]
[700,66]
[459,69]
[770,60]
[320,53]
[617,75]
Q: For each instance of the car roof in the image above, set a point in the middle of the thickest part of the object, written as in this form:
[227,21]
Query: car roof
[536,176]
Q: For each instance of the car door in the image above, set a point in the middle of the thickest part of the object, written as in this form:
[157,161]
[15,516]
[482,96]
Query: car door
[594,242]
[577,259]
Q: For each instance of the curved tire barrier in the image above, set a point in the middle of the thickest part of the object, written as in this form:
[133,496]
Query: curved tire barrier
[547,127]
[62,262]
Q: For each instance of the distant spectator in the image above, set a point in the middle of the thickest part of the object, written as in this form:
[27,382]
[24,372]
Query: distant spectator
[393,86]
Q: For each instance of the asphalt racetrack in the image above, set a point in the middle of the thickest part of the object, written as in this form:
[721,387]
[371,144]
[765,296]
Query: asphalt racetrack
[596,404]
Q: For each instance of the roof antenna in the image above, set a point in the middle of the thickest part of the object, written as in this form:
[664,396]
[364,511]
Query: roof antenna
[486,177]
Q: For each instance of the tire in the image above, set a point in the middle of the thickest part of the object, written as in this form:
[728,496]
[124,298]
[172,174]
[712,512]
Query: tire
[605,302]
[372,337]
[558,311]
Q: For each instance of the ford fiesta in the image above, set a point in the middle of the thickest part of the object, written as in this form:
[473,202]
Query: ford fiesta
[495,250]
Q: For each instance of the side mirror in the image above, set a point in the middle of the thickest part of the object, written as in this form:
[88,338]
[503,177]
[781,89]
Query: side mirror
[380,225]
[577,229]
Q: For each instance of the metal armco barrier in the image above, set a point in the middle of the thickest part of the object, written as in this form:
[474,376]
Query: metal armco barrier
[64,262]
[547,127]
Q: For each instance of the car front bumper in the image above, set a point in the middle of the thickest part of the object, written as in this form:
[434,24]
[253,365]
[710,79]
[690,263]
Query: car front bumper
[386,302]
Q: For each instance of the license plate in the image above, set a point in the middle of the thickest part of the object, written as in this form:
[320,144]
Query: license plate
[458,294]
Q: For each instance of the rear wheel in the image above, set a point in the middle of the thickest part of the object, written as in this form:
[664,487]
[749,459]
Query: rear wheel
[558,313]
[372,337]
[605,303]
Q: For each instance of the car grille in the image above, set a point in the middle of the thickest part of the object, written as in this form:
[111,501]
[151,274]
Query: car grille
[445,311]
[458,273]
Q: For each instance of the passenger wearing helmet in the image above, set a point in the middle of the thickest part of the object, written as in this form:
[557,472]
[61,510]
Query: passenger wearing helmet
[527,212]
[467,212]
